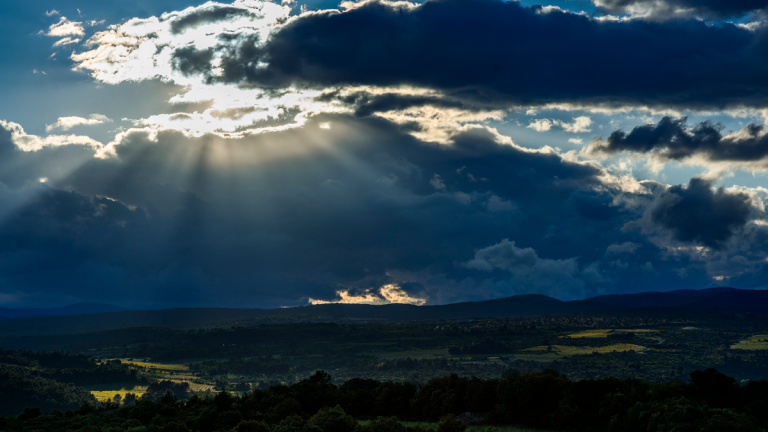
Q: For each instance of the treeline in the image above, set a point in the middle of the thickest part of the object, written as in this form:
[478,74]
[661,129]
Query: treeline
[47,380]
[252,366]
[21,387]
[107,372]
[239,341]
[68,368]
[47,359]
[710,402]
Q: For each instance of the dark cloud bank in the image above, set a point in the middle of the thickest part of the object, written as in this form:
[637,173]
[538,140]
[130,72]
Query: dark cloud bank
[672,139]
[279,217]
[697,214]
[492,51]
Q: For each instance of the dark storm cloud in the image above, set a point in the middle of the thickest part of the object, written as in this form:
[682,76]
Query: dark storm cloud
[272,219]
[485,50]
[206,16]
[191,61]
[697,214]
[279,217]
[18,168]
[672,139]
[670,9]
[365,103]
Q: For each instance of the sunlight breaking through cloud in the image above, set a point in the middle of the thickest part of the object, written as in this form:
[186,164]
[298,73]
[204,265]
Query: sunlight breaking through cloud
[387,294]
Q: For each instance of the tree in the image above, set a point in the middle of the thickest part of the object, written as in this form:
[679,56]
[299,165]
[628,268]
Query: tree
[320,377]
[252,426]
[716,389]
[450,423]
[333,420]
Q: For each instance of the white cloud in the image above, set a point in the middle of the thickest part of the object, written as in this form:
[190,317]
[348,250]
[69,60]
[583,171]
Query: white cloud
[28,143]
[65,27]
[52,12]
[575,140]
[440,125]
[540,125]
[579,124]
[143,48]
[66,41]
[67,123]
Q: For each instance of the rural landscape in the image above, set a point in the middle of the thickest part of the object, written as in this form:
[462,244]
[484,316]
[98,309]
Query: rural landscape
[384,216]
[315,367]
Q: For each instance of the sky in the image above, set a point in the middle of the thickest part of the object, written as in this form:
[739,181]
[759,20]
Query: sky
[175,153]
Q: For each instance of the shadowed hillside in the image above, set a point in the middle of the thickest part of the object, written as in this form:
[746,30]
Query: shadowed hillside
[725,299]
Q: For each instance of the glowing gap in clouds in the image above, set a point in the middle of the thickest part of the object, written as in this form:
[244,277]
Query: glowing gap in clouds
[388,294]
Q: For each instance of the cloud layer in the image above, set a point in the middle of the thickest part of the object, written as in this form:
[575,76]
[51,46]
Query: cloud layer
[390,152]
[672,139]
[488,50]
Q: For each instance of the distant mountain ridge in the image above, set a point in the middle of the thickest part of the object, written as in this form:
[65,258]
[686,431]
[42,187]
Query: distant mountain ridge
[73,309]
[718,299]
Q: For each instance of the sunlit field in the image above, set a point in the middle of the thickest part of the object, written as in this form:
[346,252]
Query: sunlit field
[106,392]
[157,366]
[601,333]
[590,334]
[414,354]
[754,343]
[557,351]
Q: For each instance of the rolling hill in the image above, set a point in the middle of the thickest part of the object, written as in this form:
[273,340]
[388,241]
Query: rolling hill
[723,299]
[73,309]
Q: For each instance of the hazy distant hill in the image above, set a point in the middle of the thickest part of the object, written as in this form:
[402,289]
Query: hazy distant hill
[73,309]
[725,299]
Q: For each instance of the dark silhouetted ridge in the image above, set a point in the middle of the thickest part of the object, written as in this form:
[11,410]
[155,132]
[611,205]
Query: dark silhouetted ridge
[73,309]
[722,299]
